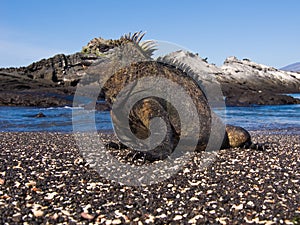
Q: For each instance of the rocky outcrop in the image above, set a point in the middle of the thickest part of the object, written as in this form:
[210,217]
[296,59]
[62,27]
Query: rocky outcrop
[48,82]
[257,77]
[247,83]
[250,98]
[51,82]
[242,75]
[63,70]
[243,82]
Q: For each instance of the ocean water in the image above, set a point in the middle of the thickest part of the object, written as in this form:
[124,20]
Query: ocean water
[282,117]
[22,119]
[58,119]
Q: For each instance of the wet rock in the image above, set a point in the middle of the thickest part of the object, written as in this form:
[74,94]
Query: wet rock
[40,115]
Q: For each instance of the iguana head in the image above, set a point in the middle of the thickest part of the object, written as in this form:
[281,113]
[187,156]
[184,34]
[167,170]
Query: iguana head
[101,47]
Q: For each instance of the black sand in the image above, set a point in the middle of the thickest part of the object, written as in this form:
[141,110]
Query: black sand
[43,179]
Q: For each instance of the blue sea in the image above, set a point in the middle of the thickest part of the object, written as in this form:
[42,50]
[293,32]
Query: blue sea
[22,119]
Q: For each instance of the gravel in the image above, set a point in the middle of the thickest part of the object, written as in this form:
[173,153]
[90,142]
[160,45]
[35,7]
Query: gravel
[45,180]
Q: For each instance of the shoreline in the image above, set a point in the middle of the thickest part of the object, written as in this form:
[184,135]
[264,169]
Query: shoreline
[49,98]
[43,178]
[256,131]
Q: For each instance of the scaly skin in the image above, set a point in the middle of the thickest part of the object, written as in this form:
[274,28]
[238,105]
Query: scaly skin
[148,108]
[151,107]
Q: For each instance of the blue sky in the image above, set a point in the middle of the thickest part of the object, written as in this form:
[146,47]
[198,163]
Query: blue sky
[264,31]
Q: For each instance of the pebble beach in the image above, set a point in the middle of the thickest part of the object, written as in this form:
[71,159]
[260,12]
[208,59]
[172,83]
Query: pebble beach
[45,180]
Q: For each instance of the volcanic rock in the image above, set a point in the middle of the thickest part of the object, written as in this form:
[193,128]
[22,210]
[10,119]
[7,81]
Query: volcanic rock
[53,81]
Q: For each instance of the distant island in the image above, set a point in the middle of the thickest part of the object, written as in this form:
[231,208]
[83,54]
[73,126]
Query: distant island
[295,67]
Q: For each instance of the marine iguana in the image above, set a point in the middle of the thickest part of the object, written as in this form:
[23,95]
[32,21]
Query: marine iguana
[152,107]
